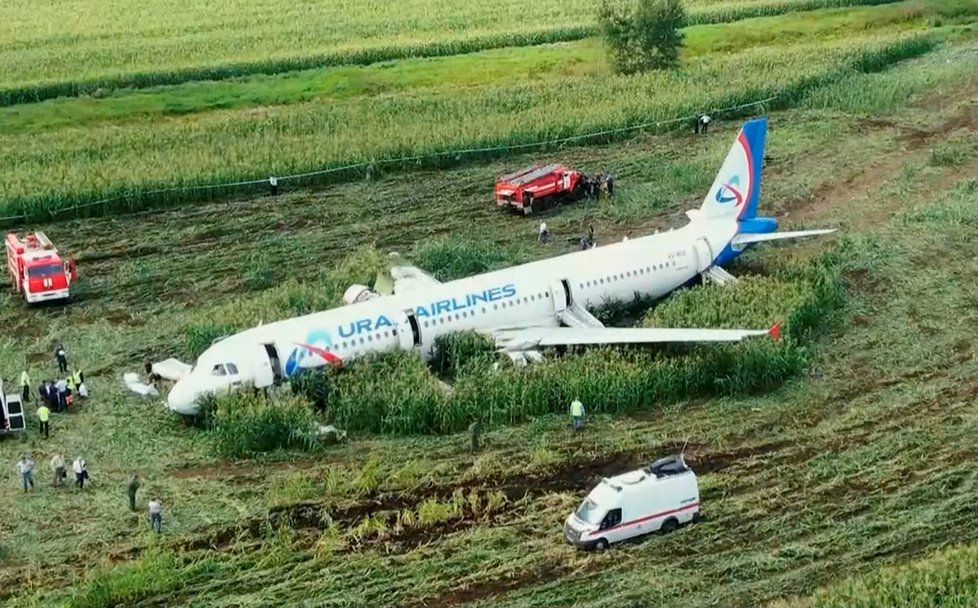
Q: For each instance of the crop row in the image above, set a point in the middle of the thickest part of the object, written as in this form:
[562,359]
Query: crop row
[110,45]
[50,172]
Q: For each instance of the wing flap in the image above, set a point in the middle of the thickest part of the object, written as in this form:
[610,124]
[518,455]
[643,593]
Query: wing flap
[744,239]
[524,339]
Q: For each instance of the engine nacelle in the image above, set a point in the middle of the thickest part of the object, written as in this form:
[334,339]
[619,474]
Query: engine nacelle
[358,293]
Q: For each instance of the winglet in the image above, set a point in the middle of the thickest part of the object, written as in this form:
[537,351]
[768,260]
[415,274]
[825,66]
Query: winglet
[775,332]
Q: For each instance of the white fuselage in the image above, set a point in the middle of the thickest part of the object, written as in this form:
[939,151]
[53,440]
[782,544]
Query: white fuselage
[529,295]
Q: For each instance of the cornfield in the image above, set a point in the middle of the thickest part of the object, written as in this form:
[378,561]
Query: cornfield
[111,44]
[395,393]
[127,160]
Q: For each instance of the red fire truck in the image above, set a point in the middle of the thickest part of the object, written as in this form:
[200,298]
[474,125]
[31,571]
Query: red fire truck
[36,269]
[537,187]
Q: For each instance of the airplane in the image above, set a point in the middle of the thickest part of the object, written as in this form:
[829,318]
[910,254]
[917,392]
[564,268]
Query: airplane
[522,308]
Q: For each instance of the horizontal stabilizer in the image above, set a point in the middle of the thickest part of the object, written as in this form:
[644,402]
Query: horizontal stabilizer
[746,239]
[528,339]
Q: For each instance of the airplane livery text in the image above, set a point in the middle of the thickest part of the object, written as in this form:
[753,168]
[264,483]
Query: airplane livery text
[431,310]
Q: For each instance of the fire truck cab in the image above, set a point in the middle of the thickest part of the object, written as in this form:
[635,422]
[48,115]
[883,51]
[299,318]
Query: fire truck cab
[538,187]
[36,269]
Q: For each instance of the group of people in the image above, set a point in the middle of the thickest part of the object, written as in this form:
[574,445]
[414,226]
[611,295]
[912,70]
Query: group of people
[598,185]
[26,469]
[55,395]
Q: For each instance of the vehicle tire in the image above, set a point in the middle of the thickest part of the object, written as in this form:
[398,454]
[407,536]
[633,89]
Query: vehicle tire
[670,525]
[697,518]
[601,545]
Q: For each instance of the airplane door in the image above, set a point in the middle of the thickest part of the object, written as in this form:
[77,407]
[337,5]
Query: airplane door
[408,331]
[264,374]
[704,254]
[558,294]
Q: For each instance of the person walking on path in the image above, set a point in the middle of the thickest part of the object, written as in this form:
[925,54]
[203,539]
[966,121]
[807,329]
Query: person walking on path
[26,469]
[25,387]
[62,358]
[58,468]
[156,514]
[132,488]
[475,431]
[44,415]
[80,467]
[577,414]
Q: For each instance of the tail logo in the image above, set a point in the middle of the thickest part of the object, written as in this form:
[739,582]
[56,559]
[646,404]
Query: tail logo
[730,192]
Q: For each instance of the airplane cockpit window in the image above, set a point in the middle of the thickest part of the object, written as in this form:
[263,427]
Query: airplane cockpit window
[232,369]
[219,370]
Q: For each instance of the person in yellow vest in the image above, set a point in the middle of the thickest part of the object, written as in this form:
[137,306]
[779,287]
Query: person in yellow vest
[72,388]
[25,386]
[44,414]
[78,379]
[577,414]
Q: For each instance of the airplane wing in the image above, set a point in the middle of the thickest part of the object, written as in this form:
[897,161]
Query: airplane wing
[744,239]
[532,338]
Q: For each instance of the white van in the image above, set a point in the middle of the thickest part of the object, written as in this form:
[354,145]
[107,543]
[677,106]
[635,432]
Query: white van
[663,497]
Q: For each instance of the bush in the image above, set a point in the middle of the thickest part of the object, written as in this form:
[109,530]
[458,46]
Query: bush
[456,351]
[457,258]
[642,35]
[244,424]
[201,336]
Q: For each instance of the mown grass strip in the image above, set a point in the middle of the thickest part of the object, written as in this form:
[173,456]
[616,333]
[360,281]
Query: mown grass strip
[47,73]
[58,171]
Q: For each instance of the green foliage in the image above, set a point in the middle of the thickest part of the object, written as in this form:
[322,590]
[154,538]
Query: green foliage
[456,351]
[155,573]
[245,424]
[457,258]
[947,579]
[953,153]
[642,35]
[133,159]
[201,336]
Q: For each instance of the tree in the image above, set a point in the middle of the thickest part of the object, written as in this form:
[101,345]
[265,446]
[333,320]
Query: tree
[642,35]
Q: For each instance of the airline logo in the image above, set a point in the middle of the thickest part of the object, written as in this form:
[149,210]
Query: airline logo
[313,352]
[470,300]
[733,184]
[730,192]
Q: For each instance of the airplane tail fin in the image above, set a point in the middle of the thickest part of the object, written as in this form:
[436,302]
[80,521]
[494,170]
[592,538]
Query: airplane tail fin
[737,187]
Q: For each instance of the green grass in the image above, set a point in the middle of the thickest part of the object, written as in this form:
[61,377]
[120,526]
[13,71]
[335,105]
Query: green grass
[506,67]
[108,45]
[945,579]
[132,159]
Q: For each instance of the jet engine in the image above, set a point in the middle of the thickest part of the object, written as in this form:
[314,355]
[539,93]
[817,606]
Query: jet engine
[358,293]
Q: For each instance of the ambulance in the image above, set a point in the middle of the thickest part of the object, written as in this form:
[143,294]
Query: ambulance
[662,496]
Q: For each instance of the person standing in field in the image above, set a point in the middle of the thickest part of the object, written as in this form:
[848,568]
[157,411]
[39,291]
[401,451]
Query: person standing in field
[44,416]
[577,414]
[26,469]
[25,387]
[80,467]
[132,489]
[156,514]
[62,358]
[475,431]
[58,468]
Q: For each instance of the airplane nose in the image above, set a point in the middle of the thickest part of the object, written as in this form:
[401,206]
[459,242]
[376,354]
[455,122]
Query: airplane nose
[181,399]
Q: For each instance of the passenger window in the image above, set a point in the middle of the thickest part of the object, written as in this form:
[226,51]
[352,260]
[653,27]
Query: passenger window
[483,310]
[612,519]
